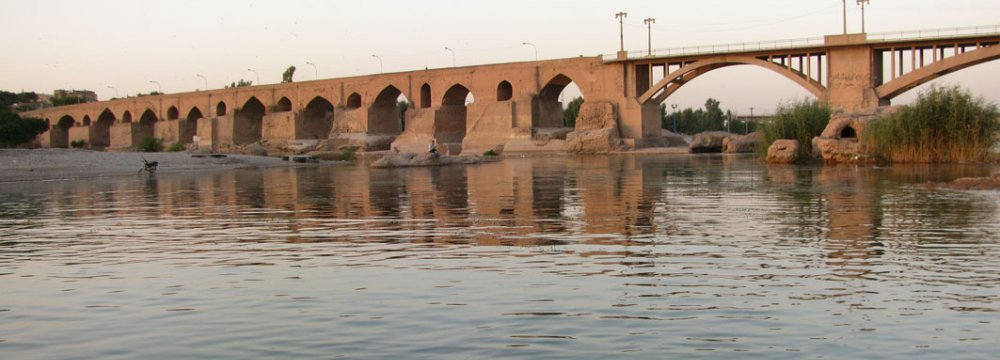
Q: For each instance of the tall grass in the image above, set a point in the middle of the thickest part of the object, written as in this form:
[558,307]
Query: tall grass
[798,120]
[946,124]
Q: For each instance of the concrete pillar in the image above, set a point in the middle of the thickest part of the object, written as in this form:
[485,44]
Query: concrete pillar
[852,72]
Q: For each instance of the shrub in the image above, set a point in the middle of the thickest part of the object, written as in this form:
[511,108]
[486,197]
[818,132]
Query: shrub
[800,121]
[78,144]
[175,147]
[16,131]
[945,124]
[150,144]
[490,153]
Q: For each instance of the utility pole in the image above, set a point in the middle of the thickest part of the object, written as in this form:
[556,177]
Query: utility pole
[845,17]
[379,63]
[862,3]
[649,24]
[747,125]
[621,27]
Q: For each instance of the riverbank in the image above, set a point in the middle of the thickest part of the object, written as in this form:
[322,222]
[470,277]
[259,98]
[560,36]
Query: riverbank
[67,164]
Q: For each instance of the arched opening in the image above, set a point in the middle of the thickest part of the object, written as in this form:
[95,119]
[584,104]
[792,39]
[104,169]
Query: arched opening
[190,128]
[450,119]
[317,119]
[249,122]
[86,120]
[354,101]
[425,96]
[60,137]
[848,132]
[66,122]
[172,113]
[220,109]
[383,117]
[505,91]
[100,133]
[283,105]
[146,126]
[558,105]
[127,117]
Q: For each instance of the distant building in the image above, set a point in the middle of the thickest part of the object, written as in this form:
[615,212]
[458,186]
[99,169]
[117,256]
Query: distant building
[85,95]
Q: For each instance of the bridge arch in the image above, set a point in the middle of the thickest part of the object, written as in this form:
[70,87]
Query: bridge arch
[172,113]
[249,122]
[283,105]
[127,117]
[220,108]
[933,71]
[676,79]
[100,131]
[86,120]
[190,128]
[505,91]
[382,115]
[353,101]
[425,96]
[549,105]
[451,118]
[317,119]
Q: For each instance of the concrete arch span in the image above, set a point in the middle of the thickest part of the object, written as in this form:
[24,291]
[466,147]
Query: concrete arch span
[933,71]
[676,79]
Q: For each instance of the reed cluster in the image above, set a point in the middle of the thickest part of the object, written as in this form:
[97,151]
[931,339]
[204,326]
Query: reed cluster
[945,124]
[797,120]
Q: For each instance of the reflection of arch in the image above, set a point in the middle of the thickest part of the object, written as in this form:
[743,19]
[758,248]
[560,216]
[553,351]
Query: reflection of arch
[940,68]
[86,120]
[504,91]
[172,113]
[190,129]
[317,119]
[100,132]
[220,109]
[283,105]
[127,117]
[382,115]
[673,81]
[425,96]
[249,122]
[354,101]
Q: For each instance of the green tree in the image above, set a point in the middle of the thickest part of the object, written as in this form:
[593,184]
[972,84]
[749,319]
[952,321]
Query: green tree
[67,100]
[571,112]
[401,107]
[241,83]
[289,73]
[16,131]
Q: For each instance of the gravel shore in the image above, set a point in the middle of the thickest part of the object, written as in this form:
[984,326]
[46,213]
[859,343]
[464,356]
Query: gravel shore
[67,164]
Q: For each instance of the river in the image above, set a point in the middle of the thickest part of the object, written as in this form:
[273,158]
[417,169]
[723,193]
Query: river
[653,257]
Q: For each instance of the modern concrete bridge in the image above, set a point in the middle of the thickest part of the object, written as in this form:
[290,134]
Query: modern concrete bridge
[516,105]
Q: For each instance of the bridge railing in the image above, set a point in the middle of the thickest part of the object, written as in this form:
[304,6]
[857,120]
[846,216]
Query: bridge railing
[723,48]
[934,33]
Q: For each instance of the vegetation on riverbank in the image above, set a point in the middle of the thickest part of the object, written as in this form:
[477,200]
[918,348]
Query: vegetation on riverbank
[946,124]
[799,120]
[14,130]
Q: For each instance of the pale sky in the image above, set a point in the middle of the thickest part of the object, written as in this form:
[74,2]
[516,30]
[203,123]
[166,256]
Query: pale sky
[59,44]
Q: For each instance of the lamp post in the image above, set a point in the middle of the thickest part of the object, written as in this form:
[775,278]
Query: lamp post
[203,78]
[845,16]
[452,55]
[862,3]
[116,90]
[674,115]
[621,27]
[747,124]
[649,24]
[255,73]
[533,46]
[315,70]
[379,63]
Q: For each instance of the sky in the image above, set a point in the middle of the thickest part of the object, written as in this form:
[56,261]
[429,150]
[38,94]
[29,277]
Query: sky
[119,48]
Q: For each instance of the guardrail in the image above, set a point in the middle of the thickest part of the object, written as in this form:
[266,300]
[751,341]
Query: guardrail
[792,44]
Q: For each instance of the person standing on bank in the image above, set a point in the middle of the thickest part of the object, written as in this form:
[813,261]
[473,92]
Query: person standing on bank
[432,147]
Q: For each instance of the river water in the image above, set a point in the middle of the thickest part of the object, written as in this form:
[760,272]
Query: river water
[557,257]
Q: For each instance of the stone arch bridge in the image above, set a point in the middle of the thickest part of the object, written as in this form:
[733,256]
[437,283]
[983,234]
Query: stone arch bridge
[514,105]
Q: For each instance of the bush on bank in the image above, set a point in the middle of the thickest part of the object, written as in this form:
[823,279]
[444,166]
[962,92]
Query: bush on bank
[15,131]
[945,124]
[150,144]
[798,120]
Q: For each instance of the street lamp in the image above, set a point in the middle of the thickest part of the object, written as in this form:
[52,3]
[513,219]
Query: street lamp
[452,55]
[158,87]
[116,90]
[845,16]
[621,27]
[534,47]
[862,3]
[203,78]
[674,115]
[379,63]
[315,69]
[255,73]
[649,23]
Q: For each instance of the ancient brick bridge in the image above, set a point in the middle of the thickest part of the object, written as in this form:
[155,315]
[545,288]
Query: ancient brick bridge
[516,105]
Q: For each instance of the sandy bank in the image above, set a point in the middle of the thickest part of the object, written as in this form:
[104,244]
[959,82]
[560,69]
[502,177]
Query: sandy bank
[58,164]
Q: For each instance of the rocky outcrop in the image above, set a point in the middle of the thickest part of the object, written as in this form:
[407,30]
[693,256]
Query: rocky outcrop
[426,159]
[596,130]
[783,152]
[744,144]
[971,183]
[840,141]
[709,142]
